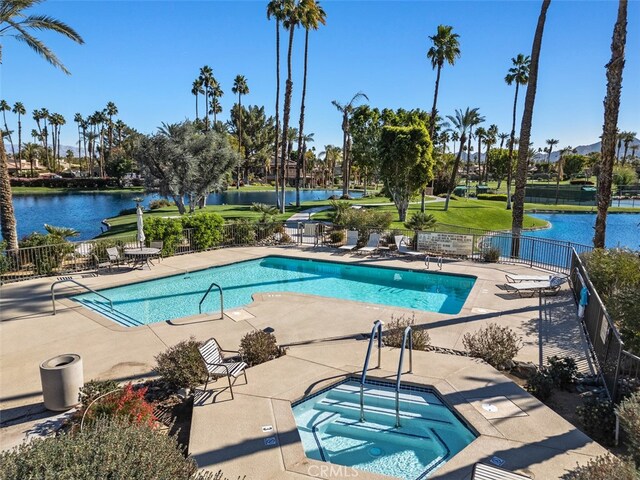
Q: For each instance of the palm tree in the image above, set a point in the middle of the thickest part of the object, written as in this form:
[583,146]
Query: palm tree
[5,107]
[78,119]
[481,135]
[560,171]
[518,73]
[240,88]
[627,138]
[445,48]
[551,142]
[346,111]
[615,68]
[206,77]
[197,90]
[462,121]
[455,136]
[311,16]
[525,131]
[489,141]
[215,106]
[30,151]
[19,110]
[503,136]
[111,110]
[276,9]
[634,149]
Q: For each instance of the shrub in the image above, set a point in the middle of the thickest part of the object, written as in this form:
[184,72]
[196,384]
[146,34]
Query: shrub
[259,347]
[112,448]
[629,413]
[420,221]
[491,255]
[395,331]
[580,181]
[243,232]
[167,230]
[181,365]
[496,197]
[494,344]
[158,204]
[563,371]
[127,403]
[366,221]
[285,238]
[94,388]
[624,175]
[540,384]
[339,209]
[337,236]
[605,467]
[207,229]
[267,212]
[598,419]
[45,260]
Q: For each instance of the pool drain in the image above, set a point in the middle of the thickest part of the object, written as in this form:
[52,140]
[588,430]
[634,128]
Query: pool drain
[375,451]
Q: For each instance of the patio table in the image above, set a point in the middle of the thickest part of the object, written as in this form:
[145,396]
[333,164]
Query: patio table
[141,256]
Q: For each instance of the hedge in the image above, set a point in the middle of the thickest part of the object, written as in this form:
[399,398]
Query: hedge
[79,183]
[497,197]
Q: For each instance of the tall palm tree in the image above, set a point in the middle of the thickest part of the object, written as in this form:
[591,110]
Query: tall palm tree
[311,16]
[77,118]
[627,138]
[15,23]
[560,169]
[30,151]
[518,74]
[615,68]
[215,107]
[462,122]
[19,110]
[111,110]
[551,142]
[276,9]
[481,135]
[5,107]
[445,48]
[503,136]
[240,88]
[197,90]
[634,149]
[525,131]
[206,77]
[346,110]
[490,140]
[455,136]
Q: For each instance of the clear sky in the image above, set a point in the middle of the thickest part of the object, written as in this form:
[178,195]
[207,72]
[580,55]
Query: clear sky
[144,55]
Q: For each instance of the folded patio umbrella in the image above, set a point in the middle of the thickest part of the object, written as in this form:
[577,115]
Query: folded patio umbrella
[140,237]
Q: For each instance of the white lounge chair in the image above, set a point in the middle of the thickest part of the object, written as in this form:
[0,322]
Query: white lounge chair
[401,245]
[482,471]
[218,366]
[352,240]
[372,244]
[549,286]
[511,278]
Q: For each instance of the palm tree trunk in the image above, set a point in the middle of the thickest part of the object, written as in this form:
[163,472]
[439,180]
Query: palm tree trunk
[13,152]
[300,130]
[285,117]
[239,139]
[467,183]
[454,174]
[624,153]
[7,215]
[615,68]
[432,128]
[196,106]
[19,146]
[275,149]
[345,159]
[511,141]
[525,133]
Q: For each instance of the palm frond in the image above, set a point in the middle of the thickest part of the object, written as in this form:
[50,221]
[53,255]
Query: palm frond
[45,22]
[40,48]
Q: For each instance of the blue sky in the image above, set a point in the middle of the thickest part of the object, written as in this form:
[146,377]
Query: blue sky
[144,55]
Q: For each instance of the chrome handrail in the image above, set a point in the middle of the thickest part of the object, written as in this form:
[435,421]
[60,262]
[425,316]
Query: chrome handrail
[53,293]
[221,299]
[377,326]
[407,332]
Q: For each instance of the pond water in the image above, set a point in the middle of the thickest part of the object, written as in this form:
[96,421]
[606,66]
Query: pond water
[85,211]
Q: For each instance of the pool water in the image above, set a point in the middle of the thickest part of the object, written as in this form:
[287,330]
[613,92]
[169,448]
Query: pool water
[179,295]
[429,434]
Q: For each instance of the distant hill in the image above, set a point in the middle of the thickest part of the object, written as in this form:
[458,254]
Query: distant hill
[63,149]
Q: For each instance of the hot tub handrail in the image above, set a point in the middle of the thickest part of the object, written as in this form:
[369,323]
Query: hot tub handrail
[408,332]
[377,329]
[71,280]
[213,284]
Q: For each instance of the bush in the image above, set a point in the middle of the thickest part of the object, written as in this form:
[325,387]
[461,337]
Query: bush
[491,255]
[160,203]
[540,384]
[94,388]
[562,371]
[598,419]
[112,448]
[207,229]
[285,238]
[496,197]
[243,232]
[629,414]
[420,221]
[395,331]
[127,403]
[259,347]
[80,183]
[605,467]
[339,209]
[45,260]
[181,365]
[580,181]
[167,230]
[494,344]
[337,236]
[365,221]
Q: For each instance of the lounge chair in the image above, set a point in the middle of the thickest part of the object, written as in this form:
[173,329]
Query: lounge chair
[401,244]
[530,278]
[372,244]
[482,471]
[218,366]
[352,240]
[549,286]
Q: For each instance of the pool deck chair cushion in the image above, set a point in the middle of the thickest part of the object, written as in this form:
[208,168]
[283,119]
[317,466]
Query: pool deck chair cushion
[218,366]
[372,244]
[549,286]
[511,278]
[401,245]
[352,240]
[482,471]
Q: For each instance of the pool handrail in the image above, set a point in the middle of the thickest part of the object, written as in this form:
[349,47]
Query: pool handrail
[53,293]
[213,284]
[408,332]
[377,328]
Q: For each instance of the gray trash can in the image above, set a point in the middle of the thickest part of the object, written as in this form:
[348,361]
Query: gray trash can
[61,378]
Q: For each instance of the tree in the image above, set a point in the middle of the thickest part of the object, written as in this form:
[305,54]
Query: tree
[19,110]
[206,77]
[366,127]
[462,122]
[311,16]
[119,164]
[560,172]
[627,138]
[525,131]
[257,136]
[573,164]
[614,68]
[518,74]
[346,110]
[481,134]
[405,163]
[215,92]
[5,107]
[15,23]
[182,161]
[111,111]
[551,142]
[240,88]
[197,90]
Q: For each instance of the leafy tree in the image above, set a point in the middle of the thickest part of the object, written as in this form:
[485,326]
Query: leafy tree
[119,164]
[366,127]
[405,163]
[257,136]
[624,175]
[573,164]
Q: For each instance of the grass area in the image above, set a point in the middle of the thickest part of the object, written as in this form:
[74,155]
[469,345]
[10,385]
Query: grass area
[47,190]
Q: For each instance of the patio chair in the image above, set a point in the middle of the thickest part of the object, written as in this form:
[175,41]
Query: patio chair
[482,471]
[113,258]
[352,240]
[159,245]
[372,244]
[219,366]
[401,245]
[511,278]
[550,286]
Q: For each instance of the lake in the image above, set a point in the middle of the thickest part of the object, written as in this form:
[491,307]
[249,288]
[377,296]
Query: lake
[85,211]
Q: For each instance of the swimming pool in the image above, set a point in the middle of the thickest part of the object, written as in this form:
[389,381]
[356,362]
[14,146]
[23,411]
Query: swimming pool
[178,296]
[429,434]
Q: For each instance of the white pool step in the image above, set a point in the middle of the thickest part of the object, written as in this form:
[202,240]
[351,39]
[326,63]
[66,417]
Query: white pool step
[103,308]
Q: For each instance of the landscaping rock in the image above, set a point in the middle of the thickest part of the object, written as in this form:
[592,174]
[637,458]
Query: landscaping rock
[525,369]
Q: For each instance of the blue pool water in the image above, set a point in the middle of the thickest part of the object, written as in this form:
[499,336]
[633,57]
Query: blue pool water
[429,434]
[178,296]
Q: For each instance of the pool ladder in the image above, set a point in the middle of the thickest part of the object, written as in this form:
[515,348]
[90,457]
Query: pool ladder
[213,284]
[71,280]
[408,333]
[376,330]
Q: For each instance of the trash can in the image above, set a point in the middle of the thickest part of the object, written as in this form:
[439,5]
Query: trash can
[61,378]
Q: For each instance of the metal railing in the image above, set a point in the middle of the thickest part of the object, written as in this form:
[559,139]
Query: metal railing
[438,260]
[377,329]
[213,284]
[70,280]
[408,332]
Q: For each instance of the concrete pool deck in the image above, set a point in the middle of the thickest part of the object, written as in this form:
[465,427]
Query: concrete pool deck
[29,333]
